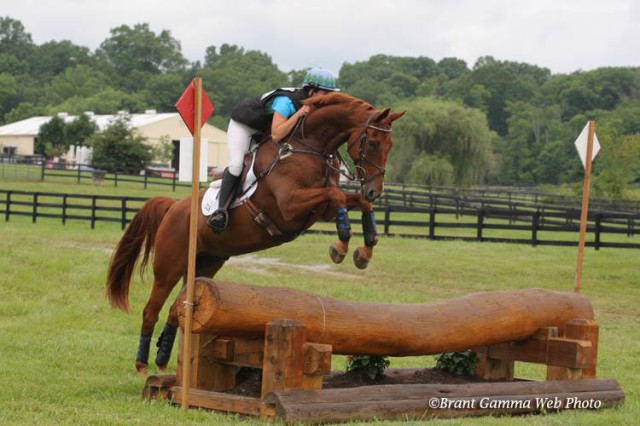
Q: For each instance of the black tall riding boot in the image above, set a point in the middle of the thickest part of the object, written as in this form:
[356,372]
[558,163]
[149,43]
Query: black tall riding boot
[218,219]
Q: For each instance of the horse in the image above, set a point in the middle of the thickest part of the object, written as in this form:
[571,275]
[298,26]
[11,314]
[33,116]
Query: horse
[297,185]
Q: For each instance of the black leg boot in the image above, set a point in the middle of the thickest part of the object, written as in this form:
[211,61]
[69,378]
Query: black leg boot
[218,219]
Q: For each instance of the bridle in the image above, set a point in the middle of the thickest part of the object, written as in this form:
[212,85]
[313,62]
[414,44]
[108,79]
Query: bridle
[361,171]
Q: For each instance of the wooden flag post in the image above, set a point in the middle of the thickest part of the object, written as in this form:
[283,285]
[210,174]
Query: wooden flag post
[194,108]
[193,234]
[585,203]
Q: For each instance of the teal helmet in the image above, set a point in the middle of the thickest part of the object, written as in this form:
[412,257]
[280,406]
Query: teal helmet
[319,78]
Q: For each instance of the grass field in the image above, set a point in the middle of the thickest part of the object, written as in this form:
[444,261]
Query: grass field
[67,358]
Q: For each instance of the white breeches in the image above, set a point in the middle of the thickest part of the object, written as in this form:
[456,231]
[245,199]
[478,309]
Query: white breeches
[238,142]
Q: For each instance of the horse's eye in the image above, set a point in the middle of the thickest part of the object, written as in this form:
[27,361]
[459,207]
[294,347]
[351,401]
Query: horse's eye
[373,145]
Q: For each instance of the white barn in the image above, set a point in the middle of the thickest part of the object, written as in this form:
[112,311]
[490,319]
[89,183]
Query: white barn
[19,138]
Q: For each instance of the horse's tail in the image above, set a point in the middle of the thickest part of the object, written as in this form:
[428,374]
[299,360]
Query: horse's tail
[142,229]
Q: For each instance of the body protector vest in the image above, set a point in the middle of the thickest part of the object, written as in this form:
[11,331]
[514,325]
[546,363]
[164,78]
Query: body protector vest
[255,112]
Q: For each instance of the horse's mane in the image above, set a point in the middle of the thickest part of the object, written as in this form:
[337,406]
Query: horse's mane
[337,98]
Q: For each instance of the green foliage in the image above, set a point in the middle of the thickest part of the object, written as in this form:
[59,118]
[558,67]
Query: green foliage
[52,138]
[461,362]
[118,148]
[231,75]
[431,170]
[372,366]
[56,136]
[444,130]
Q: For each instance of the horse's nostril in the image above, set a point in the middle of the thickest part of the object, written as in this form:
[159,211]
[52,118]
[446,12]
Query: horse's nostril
[371,195]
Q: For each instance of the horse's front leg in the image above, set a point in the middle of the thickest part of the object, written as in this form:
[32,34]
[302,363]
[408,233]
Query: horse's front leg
[362,255]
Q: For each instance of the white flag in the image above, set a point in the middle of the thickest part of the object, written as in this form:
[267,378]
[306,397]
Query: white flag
[581,145]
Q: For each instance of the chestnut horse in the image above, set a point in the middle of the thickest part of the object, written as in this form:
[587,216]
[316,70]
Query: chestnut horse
[298,185]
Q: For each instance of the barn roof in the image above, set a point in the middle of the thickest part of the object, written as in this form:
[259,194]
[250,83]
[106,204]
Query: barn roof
[31,126]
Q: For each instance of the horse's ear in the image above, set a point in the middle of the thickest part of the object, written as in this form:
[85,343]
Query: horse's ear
[383,115]
[393,117]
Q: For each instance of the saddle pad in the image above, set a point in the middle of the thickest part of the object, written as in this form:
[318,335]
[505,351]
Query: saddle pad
[210,199]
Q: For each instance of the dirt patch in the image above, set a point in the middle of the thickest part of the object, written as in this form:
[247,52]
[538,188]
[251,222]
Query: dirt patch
[262,264]
[250,382]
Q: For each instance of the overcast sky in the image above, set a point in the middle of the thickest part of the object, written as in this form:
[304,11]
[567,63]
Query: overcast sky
[562,35]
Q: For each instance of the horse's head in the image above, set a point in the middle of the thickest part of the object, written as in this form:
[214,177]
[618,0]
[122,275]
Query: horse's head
[369,150]
[366,130]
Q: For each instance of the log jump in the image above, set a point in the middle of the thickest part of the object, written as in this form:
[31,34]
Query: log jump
[479,319]
[290,335]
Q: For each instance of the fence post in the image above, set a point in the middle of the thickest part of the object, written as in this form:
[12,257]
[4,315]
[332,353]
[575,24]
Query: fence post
[115,178]
[535,221]
[598,230]
[387,217]
[34,214]
[64,208]
[93,212]
[432,224]
[173,182]
[123,212]
[42,170]
[79,177]
[480,223]
[8,207]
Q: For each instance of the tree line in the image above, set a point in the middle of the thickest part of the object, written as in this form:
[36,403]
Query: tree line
[495,122]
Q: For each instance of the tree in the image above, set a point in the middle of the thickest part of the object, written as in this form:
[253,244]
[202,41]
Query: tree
[8,93]
[431,170]
[618,163]
[56,136]
[55,57]
[118,148]
[131,55]
[443,130]
[232,75]
[80,130]
[504,81]
[52,138]
[77,81]
[14,40]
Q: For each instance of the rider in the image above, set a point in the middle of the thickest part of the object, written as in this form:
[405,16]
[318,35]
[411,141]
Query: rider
[279,109]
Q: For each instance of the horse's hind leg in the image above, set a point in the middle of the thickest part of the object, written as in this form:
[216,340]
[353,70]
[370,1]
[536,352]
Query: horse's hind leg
[206,267]
[159,294]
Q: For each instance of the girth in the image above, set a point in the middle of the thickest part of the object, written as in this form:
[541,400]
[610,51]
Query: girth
[262,220]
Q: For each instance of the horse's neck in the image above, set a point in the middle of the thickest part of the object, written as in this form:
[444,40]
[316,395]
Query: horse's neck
[326,130]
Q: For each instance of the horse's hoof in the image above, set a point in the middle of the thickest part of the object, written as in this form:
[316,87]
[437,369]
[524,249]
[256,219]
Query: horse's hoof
[162,367]
[142,369]
[360,260]
[336,254]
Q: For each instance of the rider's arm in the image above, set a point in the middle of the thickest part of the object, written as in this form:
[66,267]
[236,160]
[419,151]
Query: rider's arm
[285,117]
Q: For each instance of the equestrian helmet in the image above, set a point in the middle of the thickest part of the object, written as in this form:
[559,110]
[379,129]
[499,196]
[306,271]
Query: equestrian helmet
[319,78]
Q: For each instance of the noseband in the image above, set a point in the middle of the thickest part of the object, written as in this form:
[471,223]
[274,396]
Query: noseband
[362,154]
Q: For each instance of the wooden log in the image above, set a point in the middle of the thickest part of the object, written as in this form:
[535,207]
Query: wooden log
[477,319]
[415,401]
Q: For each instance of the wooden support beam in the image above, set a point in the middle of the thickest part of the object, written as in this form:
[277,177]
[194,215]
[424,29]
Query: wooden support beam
[317,364]
[220,401]
[585,329]
[206,372]
[283,366]
[239,352]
